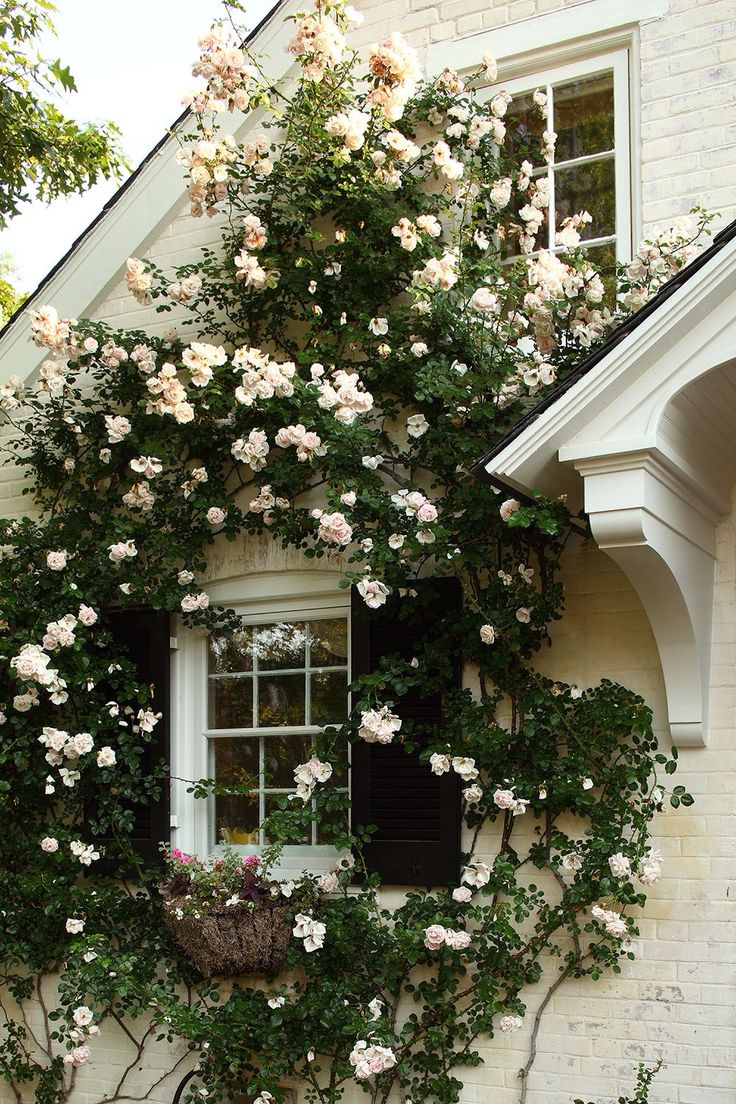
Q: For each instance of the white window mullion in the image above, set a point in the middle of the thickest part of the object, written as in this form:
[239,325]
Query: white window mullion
[623,159]
[551,218]
[261,786]
[588,159]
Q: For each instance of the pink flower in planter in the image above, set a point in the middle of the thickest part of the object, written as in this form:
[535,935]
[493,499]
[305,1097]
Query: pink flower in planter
[180,856]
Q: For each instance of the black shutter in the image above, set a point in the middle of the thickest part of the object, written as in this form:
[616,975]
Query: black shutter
[144,636]
[417,814]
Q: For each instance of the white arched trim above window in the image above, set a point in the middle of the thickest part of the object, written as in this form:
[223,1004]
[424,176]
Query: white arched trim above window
[644,442]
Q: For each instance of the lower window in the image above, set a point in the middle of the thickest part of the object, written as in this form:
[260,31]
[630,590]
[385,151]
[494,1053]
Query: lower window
[271,687]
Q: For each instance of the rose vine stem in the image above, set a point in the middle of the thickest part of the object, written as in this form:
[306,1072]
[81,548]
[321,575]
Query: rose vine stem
[469,990]
[580,957]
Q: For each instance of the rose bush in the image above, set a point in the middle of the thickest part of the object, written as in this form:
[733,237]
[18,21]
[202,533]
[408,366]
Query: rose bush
[380,311]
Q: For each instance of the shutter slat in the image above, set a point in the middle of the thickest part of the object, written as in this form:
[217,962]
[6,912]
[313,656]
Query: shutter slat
[144,638]
[416,813]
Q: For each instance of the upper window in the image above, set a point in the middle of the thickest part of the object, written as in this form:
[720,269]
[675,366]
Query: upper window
[588,109]
[270,688]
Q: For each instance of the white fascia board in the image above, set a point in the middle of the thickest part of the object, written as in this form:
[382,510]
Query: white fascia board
[138,214]
[531,460]
[542,32]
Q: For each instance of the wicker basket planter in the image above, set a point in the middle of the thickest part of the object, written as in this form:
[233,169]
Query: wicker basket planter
[227,942]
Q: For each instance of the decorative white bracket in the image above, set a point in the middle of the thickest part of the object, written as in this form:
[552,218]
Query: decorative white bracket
[649,427]
[659,531]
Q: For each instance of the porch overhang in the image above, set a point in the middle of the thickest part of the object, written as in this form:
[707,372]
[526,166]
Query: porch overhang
[642,440]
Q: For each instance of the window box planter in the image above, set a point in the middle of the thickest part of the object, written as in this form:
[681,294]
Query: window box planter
[228,942]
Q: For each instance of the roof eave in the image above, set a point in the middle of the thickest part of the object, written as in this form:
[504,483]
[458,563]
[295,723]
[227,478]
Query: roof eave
[499,463]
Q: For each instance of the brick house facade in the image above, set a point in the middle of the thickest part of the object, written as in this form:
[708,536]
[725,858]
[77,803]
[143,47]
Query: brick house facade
[672,66]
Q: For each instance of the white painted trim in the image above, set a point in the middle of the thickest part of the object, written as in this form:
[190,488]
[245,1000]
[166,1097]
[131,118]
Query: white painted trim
[261,592]
[637,218]
[542,33]
[135,218]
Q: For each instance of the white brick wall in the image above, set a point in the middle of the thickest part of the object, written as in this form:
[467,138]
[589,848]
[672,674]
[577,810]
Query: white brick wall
[676,1000]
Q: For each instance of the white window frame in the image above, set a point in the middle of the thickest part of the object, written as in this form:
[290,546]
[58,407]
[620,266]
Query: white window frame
[616,61]
[259,599]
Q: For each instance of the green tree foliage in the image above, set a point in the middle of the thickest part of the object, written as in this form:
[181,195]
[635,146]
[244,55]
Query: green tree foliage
[43,153]
[10,297]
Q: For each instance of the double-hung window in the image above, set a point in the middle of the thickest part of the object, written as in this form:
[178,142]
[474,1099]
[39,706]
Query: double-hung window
[271,687]
[588,108]
[249,703]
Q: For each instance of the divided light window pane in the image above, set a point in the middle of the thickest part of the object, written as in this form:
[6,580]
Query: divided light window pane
[270,688]
[584,159]
[583,113]
[582,174]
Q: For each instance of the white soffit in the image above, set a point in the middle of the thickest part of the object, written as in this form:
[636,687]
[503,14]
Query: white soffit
[592,19]
[650,430]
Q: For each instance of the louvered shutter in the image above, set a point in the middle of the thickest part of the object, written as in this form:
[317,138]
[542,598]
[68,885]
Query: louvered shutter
[417,814]
[144,635]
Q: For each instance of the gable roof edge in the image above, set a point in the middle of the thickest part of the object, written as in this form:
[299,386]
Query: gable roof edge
[136,212]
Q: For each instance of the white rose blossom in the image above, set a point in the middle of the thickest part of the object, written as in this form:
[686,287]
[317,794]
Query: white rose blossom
[106,757]
[334,529]
[57,561]
[77,1057]
[370,1059]
[307,775]
[190,603]
[117,428]
[311,931]
[371,462]
[509,507]
[465,767]
[122,550]
[373,592]
[82,1016]
[620,865]
[84,852]
[378,726]
[477,874]
[611,920]
[439,763]
[416,425]
[650,867]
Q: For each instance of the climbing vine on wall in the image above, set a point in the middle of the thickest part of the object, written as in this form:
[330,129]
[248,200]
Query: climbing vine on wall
[380,310]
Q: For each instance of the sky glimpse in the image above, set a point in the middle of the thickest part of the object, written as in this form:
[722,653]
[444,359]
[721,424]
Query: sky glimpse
[132,64]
